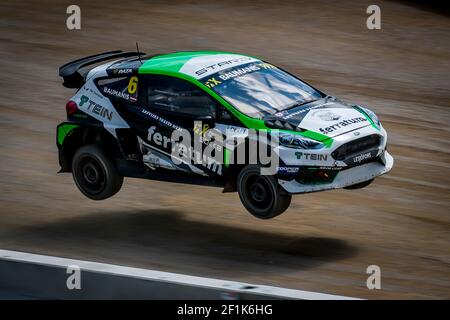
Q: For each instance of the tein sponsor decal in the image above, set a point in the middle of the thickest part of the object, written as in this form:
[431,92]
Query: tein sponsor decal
[311,156]
[342,124]
[96,108]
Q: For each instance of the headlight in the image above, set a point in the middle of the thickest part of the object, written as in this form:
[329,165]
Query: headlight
[296,141]
[372,116]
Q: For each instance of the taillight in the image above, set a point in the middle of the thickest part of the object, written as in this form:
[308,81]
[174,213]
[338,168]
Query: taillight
[71,108]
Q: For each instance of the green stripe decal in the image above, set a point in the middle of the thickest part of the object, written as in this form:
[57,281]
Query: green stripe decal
[366,116]
[170,65]
[226,157]
[64,130]
[173,62]
[327,141]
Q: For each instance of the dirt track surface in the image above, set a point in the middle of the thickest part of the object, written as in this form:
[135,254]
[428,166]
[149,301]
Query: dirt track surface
[325,241]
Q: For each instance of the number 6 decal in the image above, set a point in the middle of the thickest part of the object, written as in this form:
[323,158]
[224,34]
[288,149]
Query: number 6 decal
[132,85]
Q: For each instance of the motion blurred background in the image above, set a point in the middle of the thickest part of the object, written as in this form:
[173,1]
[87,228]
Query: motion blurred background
[325,241]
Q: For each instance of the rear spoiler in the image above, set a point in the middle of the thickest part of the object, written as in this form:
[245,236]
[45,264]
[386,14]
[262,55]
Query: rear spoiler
[75,78]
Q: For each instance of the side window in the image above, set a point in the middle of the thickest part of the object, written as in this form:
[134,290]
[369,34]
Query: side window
[178,96]
[123,88]
[227,117]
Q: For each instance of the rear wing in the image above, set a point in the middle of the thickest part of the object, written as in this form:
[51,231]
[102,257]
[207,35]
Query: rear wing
[74,77]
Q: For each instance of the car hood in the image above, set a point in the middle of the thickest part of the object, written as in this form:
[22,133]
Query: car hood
[328,116]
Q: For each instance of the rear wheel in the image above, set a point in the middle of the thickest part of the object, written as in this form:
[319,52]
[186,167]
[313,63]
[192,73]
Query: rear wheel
[94,173]
[260,194]
[359,185]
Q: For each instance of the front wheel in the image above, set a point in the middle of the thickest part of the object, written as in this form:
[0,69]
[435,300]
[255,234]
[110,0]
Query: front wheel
[94,173]
[260,194]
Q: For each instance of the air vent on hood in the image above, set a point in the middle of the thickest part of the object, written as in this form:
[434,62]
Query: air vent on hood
[281,124]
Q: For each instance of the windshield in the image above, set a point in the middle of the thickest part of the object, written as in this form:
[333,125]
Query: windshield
[259,89]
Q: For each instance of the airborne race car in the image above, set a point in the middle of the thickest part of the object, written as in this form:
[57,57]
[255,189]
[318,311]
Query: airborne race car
[127,115]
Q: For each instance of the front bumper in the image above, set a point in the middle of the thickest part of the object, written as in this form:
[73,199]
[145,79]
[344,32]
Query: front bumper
[344,178]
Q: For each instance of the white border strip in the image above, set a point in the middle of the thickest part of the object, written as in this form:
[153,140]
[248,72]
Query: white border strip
[168,277]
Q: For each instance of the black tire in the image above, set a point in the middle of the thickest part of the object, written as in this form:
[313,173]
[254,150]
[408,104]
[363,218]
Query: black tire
[359,185]
[260,194]
[94,173]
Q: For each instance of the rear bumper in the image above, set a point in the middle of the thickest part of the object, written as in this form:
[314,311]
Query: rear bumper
[345,177]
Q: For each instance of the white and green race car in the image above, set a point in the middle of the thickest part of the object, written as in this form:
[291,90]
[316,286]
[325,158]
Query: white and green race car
[213,118]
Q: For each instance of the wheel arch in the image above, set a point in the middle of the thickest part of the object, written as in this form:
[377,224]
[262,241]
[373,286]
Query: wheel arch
[234,168]
[72,136]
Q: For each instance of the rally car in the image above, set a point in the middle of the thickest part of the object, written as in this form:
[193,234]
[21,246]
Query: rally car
[206,118]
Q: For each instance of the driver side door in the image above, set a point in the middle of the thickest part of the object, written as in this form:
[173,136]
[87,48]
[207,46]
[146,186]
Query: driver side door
[176,104]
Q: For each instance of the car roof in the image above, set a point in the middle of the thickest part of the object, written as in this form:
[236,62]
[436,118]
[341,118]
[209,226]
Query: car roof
[193,64]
